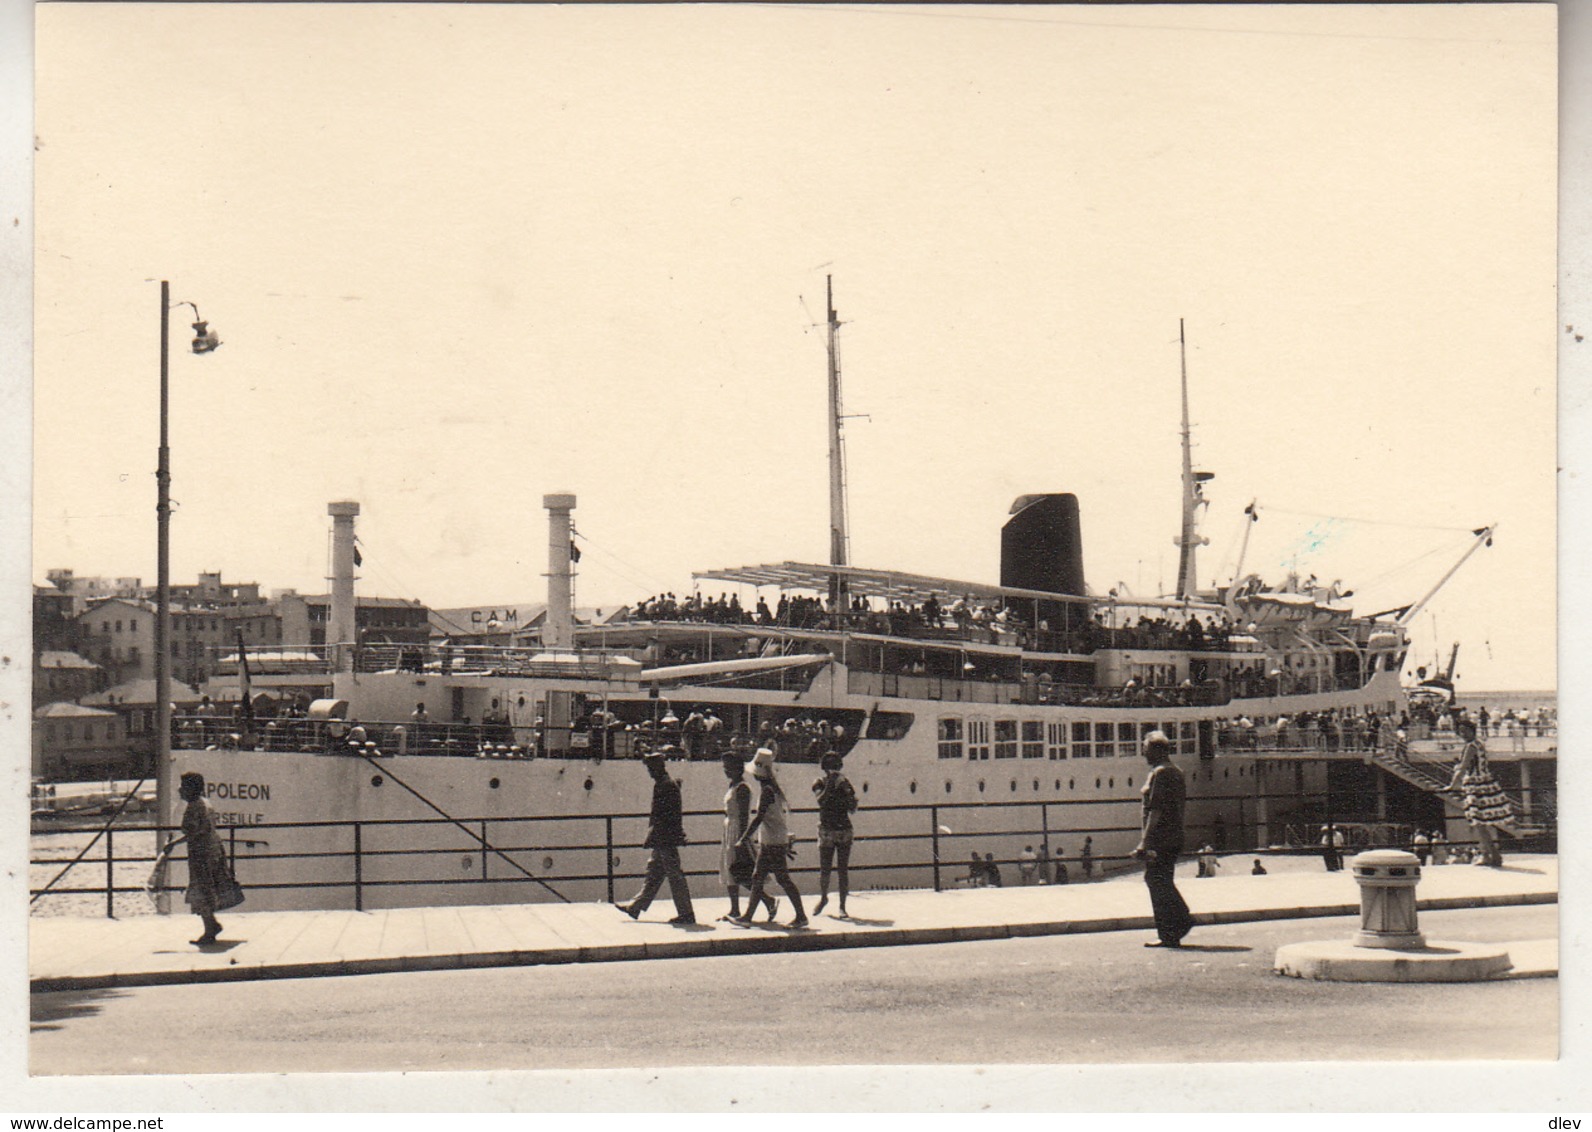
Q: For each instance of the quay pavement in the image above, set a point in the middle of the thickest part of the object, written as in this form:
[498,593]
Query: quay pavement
[76,953]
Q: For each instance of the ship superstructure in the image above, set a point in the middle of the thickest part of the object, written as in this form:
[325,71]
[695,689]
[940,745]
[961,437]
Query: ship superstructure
[972,718]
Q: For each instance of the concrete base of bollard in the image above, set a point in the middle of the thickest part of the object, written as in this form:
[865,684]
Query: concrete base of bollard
[1394,941]
[1437,962]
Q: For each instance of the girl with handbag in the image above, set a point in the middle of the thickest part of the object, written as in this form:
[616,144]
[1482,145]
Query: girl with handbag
[771,825]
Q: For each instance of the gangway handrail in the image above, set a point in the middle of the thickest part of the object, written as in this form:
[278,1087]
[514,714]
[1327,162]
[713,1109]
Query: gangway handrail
[387,771]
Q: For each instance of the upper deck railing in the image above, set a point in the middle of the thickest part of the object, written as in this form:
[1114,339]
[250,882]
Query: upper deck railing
[588,740]
[600,658]
[987,630]
[500,660]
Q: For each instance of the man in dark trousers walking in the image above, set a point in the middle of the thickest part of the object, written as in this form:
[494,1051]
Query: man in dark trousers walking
[1162,840]
[665,835]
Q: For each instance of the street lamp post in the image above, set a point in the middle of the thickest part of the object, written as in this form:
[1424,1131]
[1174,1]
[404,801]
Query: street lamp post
[204,342]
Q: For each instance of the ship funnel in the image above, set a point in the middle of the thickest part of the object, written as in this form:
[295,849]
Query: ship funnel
[1042,549]
[340,621]
[558,630]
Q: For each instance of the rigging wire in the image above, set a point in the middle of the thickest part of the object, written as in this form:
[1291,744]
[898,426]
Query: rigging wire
[1368,522]
[400,584]
[386,770]
[99,833]
[1392,571]
[1401,567]
[641,579]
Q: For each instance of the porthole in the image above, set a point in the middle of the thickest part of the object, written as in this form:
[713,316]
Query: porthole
[547,864]
[1072,784]
[1224,772]
[1130,783]
[864,787]
[1097,784]
[912,788]
[1111,784]
[981,786]
[494,784]
[1014,786]
[467,863]
[948,786]
[375,780]
[1036,784]
[1058,784]
[588,784]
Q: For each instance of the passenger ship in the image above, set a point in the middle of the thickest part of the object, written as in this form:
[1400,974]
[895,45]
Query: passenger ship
[973,720]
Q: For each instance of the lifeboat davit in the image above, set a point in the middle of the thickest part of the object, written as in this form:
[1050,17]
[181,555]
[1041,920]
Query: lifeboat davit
[1252,603]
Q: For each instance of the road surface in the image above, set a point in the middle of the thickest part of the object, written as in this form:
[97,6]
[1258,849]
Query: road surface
[1099,998]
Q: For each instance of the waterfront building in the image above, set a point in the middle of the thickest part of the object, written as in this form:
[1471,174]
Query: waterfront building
[64,677]
[75,742]
[377,620]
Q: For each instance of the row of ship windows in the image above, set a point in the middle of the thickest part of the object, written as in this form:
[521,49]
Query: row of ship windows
[977,737]
[912,787]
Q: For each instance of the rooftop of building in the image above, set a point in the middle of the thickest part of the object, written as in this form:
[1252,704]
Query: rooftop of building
[367,602]
[141,692]
[55,658]
[69,711]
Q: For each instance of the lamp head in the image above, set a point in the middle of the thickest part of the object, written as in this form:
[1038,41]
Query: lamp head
[204,339]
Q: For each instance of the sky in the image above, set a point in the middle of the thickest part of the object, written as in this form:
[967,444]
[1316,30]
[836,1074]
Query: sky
[460,257]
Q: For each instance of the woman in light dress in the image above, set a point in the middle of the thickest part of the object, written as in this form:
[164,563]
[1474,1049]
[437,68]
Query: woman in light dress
[736,861]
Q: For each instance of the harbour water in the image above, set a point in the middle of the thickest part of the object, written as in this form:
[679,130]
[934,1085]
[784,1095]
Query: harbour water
[1496,702]
[133,850]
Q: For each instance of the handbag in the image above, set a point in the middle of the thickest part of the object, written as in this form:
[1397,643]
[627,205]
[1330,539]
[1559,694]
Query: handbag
[743,865]
[157,876]
[229,893]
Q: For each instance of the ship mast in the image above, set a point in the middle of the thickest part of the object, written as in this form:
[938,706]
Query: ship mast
[838,541]
[1193,499]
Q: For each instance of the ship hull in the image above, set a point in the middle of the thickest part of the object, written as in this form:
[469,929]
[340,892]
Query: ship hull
[319,830]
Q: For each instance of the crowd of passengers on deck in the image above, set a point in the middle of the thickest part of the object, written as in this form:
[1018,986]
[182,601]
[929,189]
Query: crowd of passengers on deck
[594,733]
[1336,730]
[1329,730]
[964,616]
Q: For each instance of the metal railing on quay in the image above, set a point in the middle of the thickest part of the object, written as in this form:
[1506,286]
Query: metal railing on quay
[361,861]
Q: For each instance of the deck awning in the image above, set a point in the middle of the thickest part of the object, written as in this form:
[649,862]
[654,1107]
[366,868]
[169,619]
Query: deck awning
[893,585]
[731,667]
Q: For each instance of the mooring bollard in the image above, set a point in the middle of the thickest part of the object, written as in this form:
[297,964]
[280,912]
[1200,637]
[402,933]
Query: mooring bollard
[1387,880]
[1388,948]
